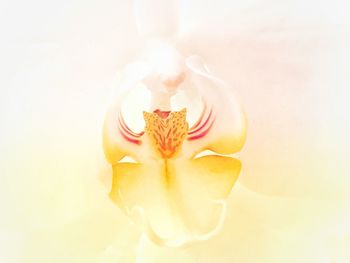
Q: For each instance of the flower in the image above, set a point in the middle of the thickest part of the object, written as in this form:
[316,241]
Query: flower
[289,66]
[176,191]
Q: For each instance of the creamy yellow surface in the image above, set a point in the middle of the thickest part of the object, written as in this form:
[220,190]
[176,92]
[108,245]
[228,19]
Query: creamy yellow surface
[288,61]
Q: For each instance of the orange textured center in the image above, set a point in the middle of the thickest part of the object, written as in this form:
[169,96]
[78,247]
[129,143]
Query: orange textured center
[166,134]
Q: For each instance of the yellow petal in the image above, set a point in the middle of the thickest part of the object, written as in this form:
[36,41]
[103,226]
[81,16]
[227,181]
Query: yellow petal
[177,198]
[143,191]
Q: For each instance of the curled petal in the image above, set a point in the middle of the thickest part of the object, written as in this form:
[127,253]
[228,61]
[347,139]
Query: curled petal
[228,134]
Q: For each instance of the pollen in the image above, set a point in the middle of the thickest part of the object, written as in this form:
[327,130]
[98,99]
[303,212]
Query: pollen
[166,131]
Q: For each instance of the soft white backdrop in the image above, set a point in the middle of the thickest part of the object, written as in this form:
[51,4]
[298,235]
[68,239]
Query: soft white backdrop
[289,63]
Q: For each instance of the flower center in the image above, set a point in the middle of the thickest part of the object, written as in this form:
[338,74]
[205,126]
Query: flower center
[166,131]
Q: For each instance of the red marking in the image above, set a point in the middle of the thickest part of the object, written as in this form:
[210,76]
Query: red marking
[200,118]
[162,145]
[162,114]
[126,132]
[167,135]
[169,144]
[135,141]
[126,129]
[203,125]
[198,136]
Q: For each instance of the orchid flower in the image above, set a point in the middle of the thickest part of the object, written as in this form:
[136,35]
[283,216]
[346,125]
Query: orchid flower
[61,62]
[162,172]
